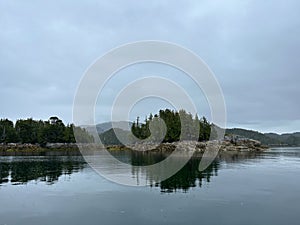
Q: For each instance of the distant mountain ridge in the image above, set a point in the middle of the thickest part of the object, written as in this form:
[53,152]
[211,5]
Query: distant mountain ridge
[103,127]
[271,139]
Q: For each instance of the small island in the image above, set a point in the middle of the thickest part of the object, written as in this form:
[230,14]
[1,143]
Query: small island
[35,137]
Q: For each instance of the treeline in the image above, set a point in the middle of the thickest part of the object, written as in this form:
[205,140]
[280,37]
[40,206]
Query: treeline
[40,132]
[174,121]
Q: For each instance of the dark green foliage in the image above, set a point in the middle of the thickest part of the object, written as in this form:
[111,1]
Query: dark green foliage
[7,132]
[172,121]
[180,126]
[53,132]
[40,132]
[29,130]
[69,134]
[205,130]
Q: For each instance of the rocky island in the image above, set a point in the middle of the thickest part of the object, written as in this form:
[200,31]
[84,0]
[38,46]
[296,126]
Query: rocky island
[34,137]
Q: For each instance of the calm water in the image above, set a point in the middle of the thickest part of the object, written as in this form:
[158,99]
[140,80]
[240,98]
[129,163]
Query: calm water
[235,189]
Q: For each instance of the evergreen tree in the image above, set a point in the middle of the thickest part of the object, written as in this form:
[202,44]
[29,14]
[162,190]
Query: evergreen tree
[180,126]
[7,131]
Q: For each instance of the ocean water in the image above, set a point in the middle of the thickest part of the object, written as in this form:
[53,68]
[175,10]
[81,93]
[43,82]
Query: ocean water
[256,188]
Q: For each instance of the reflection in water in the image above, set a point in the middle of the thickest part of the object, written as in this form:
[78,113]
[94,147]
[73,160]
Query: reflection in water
[189,176]
[20,170]
[249,189]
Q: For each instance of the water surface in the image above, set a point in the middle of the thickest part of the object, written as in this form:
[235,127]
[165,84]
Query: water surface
[235,189]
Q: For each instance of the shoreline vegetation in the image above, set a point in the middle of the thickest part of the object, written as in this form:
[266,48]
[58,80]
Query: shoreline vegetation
[28,136]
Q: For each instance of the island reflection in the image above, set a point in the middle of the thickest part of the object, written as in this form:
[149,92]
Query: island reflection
[21,170]
[189,176]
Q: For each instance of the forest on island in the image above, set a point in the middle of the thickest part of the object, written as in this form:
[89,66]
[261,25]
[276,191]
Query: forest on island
[179,125]
[40,132]
[176,122]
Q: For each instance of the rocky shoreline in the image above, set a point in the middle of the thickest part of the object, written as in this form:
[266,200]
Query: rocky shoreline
[246,145]
[223,146]
[15,149]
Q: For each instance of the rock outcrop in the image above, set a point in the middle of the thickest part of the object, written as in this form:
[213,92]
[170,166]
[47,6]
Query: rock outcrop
[245,145]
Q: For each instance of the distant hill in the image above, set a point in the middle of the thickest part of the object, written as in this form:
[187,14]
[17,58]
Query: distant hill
[272,139]
[292,139]
[109,137]
[103,127]
[252,135]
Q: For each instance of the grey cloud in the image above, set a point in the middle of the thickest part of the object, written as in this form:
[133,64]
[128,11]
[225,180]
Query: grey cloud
[252,46]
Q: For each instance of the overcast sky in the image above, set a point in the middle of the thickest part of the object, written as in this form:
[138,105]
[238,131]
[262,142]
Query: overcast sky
[253,48]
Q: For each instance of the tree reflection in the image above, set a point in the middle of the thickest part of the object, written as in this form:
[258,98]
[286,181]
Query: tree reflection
[46,170]
[189,176]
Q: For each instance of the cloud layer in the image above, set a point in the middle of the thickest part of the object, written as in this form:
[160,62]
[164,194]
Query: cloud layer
[253,47]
